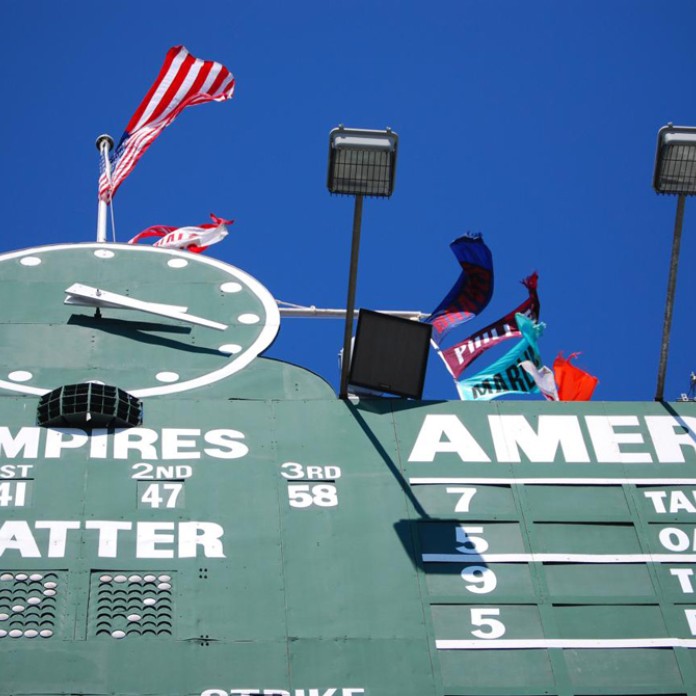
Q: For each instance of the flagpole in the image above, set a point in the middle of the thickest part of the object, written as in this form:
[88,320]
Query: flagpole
[104,144]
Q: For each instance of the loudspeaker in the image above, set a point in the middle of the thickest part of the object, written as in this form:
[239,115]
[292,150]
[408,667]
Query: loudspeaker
[89,405]
[390,354]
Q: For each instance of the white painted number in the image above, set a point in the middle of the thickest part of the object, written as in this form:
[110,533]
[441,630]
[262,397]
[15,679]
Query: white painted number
[325,495]
[292,470]
[303,495]
[465,496]
[154,498]
[470,544]
[481,580]
[481,617]
[299,496]
[13,493]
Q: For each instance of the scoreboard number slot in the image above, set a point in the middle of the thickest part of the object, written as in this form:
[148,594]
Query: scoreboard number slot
[305,495]
[161,494]
[479,579]
[15,492]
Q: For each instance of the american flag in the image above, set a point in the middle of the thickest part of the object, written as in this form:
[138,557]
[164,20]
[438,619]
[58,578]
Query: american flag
[183,81]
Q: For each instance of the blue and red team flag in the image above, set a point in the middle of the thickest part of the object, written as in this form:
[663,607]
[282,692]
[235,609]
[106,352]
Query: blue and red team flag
[183,81]
[195,239]
[472,291]
[458,357]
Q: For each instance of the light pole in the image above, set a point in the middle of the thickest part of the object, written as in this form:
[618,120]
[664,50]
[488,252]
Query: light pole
[361,163]
[675,173]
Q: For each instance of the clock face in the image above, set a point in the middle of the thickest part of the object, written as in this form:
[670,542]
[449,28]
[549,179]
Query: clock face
[197,320]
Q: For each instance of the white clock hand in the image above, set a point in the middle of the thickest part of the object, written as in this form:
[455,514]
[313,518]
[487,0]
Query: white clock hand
[84,295]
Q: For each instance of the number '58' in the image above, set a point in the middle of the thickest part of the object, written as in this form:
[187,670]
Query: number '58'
[303,495]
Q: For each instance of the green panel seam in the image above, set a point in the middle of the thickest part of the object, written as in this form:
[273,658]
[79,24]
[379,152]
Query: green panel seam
[414,517]
[559,667]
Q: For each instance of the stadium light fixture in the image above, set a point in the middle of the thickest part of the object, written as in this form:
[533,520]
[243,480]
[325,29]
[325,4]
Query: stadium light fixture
[675,173]
[361,163]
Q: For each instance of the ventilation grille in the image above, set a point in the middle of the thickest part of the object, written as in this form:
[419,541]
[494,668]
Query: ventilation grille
[131,605]
[29,603]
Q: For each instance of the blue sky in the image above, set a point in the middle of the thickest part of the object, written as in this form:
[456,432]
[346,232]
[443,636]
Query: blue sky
[533,123]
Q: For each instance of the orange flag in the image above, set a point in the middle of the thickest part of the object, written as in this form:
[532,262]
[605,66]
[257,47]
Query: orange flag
[573,383]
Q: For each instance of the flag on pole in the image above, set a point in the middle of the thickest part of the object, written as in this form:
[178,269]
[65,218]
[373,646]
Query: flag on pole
[505,376]
[460,356]
[183,81]
[574,384]
[473,289]
[195,239]
[544,379]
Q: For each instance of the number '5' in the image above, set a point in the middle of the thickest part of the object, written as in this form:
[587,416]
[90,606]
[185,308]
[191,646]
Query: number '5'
[481,617]
[470,544]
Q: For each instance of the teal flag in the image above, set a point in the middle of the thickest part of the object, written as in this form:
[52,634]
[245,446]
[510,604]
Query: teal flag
[505,376]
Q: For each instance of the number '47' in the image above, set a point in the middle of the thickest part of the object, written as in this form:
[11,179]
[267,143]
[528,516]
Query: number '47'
[157,493]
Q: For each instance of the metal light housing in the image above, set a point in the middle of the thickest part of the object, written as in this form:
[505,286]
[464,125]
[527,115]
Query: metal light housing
[675,160]
[362,162]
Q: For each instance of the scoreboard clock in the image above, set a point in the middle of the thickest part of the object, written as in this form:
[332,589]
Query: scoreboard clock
[255,535]
[161,321]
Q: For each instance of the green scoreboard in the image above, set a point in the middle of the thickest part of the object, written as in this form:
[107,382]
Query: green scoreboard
[252,535]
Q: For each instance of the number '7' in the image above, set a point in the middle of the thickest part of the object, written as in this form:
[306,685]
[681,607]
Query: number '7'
[465,496]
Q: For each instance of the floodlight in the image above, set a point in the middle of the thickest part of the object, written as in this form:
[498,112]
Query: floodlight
[675,160]
[675,173]
[362,162]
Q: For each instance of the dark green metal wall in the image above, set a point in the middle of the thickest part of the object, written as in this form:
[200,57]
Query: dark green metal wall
[259,536]
[343,567]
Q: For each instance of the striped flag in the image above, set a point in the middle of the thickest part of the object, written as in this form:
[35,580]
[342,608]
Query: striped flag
[183,81]
[195,239]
